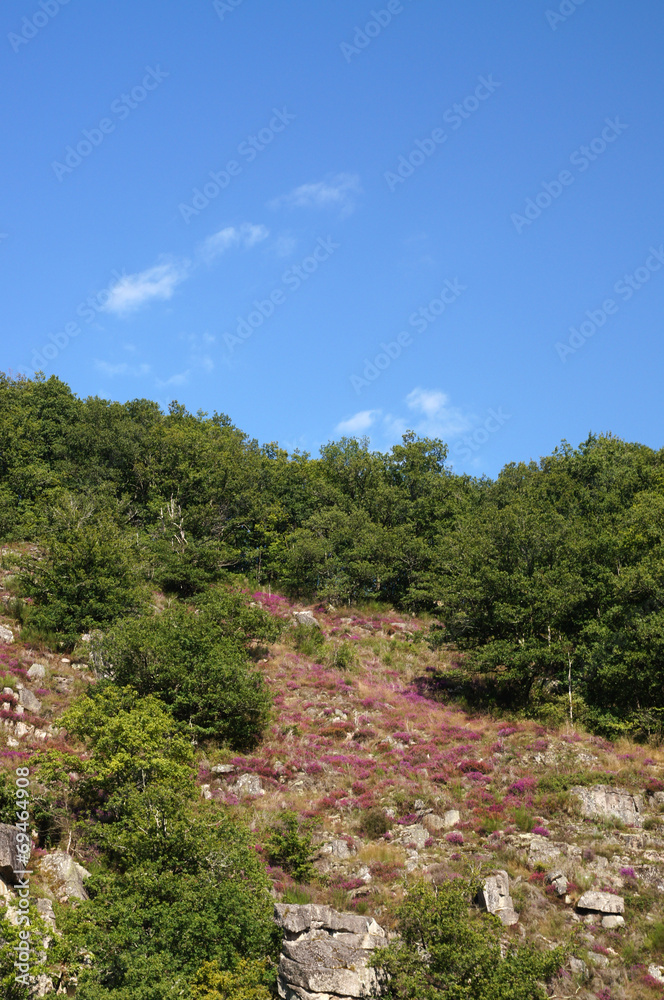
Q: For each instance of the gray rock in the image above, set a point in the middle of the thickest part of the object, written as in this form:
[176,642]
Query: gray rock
[579,968]
[558,881]
[6,634]
[29,700]
[543,851]
[338,849]
[248,784]
[36,672]
[601,902]
[611,921]
[657,972]
[45,911]
[305,618]
[325,953]
[494,897]
[64,876]
[605,802]
[223,768]
[9,857]
[435,823]
[415,834]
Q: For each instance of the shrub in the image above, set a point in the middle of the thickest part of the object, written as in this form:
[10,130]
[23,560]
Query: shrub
[523,820]
[445,951]
[374,824]
[308,639]
[249,980]
[88,577]
[454,838]
[289,849]
[197,663]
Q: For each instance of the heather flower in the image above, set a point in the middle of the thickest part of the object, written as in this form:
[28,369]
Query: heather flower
[628,873]
[454,838]
[541,831]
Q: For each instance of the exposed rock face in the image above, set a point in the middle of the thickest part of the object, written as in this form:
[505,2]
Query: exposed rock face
[606,802]
[37,672]
[495,897]
[601,902]
[64,875]
[29,700]
[337,849]
[9,859]
[324,953]
[436,823]
[415,834]
[6,634]
[248,784]
[305,618]
[558,881]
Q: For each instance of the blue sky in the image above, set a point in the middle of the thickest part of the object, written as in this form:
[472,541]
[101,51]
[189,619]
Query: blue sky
[342,218]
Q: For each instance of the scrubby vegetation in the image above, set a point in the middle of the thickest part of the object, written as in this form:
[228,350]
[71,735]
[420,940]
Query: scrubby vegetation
[474,650]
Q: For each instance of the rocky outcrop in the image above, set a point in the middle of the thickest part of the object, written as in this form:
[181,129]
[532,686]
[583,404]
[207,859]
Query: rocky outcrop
[6,634]
[305,618]
[605,802]
[64,876]
[37,672]
[9,859]
[324,953]
[494,897]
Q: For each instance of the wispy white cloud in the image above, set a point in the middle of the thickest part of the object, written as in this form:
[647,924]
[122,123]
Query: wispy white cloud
[431,415]
[180,378]
[359,423]
[121,368]
[284,245]
[135,290]
[338,192]
[245,236]
[441,419]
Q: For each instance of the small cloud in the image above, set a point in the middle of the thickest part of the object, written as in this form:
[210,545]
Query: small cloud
[359,423]
[245,236]
[337,192]
[440,418]
[284,245]
[180,378]
[135,290]
[134,371]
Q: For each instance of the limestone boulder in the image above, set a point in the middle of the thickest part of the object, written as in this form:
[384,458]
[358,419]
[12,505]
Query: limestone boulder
[64,876]
[494,897]
[601,902]
[325,953]
[305,618]
[606,802]
[6,634]
[9,858]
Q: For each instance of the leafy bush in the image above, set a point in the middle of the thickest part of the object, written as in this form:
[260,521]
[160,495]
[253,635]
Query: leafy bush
[374,823]
[197,663]
[524,820]
[308,639]
[88,577]
[445,951]
[290,849]
[249,980]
